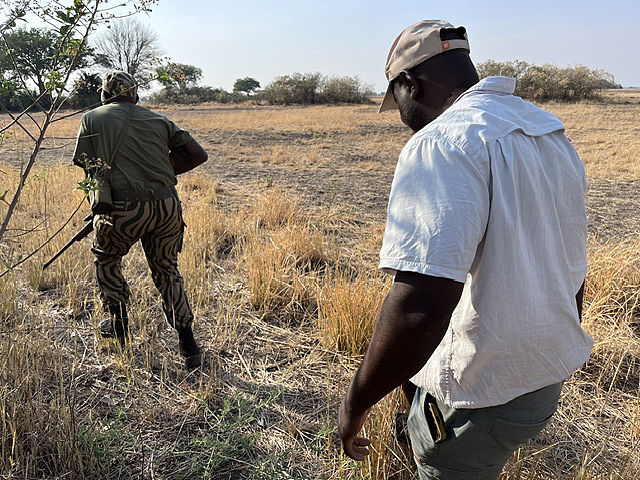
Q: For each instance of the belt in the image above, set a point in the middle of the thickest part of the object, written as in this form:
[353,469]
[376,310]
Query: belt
[144,195]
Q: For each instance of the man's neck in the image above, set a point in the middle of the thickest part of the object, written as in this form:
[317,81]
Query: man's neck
[120,100]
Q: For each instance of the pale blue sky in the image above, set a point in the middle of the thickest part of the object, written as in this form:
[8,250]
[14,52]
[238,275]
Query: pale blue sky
[264,39]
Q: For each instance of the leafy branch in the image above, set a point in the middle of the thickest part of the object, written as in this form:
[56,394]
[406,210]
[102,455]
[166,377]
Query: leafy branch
[70,22]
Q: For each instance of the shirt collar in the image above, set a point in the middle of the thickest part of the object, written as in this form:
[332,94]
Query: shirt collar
[500,85]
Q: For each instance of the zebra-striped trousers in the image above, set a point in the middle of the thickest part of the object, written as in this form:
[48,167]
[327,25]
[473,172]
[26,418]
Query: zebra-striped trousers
[160,227]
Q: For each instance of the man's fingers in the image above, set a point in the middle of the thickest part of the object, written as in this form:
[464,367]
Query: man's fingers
[358,448]
[361,442]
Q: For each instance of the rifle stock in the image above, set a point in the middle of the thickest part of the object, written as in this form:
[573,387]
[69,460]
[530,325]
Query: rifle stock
[86,230]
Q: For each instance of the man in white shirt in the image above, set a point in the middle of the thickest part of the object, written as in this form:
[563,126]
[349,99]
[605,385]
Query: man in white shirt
[486,237]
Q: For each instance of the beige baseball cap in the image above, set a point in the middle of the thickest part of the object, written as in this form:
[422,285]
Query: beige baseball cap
[414,45]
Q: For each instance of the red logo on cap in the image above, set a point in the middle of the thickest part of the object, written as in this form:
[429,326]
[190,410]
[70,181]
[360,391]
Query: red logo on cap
[445,45]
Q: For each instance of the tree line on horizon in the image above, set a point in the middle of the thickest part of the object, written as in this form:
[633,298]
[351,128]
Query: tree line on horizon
[133,47]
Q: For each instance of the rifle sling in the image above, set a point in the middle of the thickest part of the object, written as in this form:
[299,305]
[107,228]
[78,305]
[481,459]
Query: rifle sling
[121,135]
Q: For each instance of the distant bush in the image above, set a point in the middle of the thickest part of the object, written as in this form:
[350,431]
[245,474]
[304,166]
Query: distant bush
[15,98]
[229,97]
[550,82]
[193,95]
[312,88]
[345,90]
[296,88]
[85,91]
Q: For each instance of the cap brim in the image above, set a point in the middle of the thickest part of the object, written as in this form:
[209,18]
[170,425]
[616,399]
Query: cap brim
[388,102]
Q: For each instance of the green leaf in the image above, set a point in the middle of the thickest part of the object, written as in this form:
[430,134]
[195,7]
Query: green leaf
[62,15]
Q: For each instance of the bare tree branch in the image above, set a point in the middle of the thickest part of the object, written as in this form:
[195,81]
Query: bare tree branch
[128,45]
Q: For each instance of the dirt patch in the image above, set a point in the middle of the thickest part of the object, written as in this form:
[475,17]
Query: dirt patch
[612,208]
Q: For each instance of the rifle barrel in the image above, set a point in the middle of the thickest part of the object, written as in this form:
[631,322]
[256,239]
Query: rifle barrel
[86,230]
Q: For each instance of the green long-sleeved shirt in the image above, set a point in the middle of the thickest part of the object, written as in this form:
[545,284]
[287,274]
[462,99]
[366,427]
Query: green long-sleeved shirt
[142,161]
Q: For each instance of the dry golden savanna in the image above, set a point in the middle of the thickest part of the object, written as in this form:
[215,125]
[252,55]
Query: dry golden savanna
[284,225]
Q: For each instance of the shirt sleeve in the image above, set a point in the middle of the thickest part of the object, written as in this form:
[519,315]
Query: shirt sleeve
[177,136]
[438,211]
[84,145]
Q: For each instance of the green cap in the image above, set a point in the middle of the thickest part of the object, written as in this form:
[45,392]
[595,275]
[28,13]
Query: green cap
[118,84]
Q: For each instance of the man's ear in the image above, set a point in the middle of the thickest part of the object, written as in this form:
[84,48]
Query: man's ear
[411,83]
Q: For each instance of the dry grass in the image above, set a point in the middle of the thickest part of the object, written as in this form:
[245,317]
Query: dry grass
[319,119]
[607,137]
[348,308]
[285,293]
[276,208]
[283,268]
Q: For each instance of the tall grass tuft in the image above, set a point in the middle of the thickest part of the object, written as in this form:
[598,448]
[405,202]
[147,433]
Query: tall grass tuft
[276,208]
[40,434]
[283,269]
[348,308]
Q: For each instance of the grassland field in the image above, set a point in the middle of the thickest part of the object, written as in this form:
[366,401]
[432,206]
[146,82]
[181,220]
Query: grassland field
[284,224]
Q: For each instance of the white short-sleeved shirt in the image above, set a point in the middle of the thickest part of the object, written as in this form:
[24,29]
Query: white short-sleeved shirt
[491,194]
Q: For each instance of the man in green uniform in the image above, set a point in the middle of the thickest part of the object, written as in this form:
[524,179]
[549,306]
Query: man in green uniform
[145,204]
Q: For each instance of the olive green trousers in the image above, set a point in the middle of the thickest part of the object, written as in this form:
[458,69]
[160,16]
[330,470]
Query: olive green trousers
[478,441]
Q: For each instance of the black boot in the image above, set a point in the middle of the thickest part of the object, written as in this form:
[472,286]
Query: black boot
[189,348]
[116,325]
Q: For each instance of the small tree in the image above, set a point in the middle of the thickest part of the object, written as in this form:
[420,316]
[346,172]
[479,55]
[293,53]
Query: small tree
[128,45]
[247,85]
[85,91]
[31,54]
[178,76]
[71,21]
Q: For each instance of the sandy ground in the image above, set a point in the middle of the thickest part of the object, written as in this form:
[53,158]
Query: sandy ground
[348,178]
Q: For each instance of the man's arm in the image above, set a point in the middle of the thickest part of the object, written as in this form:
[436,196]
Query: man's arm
[187,157]
[84,154]
[412,321]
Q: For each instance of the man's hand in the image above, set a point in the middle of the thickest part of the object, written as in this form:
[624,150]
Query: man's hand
[412,322]
[348,427]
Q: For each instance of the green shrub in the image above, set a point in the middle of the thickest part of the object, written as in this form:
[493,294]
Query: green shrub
[310,88]
[345,90]
[550,82]
[85,91]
